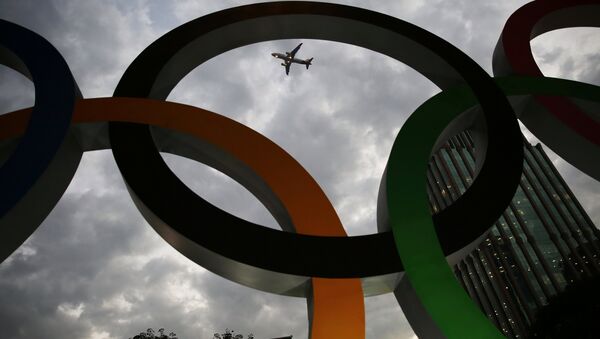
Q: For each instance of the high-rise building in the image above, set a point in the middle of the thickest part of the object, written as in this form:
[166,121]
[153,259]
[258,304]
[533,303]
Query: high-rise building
[543,242]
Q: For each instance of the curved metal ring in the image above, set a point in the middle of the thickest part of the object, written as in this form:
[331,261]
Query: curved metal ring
[158,69]
[41,164]
[561,124]
[195,133]
[442,306]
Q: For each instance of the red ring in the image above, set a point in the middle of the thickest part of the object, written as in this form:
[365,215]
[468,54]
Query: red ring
[520,28]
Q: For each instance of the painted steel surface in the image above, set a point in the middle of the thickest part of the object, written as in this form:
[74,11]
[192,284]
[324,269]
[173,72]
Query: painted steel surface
[564,125]
[313,257]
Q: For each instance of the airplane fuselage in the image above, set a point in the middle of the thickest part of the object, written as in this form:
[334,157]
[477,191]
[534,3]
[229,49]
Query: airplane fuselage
[289,60]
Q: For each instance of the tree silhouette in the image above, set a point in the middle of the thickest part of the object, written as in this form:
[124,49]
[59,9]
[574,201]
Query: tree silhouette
[150,334]
[573,313]
[229,335]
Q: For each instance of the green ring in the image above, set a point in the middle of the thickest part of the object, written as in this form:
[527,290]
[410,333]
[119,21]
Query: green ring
[410,219]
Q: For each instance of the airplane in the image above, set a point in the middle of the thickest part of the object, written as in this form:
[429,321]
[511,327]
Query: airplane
[288,59]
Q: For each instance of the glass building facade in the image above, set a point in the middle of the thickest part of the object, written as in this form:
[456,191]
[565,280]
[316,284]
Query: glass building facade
[543,242]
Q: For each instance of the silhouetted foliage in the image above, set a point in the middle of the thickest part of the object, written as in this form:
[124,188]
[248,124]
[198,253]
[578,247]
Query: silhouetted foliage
[574,313]
[229,335]
[150,334]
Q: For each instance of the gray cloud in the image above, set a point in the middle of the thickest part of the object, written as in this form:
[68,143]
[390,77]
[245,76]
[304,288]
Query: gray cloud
[16,91]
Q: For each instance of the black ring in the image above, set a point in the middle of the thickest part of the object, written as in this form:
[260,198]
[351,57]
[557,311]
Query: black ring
[228,245]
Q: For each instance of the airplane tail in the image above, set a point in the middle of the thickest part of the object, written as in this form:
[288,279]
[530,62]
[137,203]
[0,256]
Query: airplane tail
[308,62]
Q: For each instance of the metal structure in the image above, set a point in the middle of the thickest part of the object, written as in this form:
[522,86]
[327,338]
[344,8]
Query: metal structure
[313,258]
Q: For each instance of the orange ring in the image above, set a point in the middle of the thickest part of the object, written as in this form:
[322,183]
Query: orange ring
[337,304]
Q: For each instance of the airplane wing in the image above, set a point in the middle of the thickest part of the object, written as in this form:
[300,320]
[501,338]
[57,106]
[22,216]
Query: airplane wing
[287,69]
[293,52]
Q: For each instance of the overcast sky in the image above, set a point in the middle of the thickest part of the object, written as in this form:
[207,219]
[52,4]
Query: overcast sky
[94,269]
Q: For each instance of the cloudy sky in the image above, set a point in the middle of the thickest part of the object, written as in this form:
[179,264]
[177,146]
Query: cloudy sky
[94,269]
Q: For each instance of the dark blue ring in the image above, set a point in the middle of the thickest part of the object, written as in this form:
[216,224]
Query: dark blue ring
[55,94]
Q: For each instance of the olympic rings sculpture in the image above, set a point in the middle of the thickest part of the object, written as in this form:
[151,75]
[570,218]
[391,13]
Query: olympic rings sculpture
[313,257]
